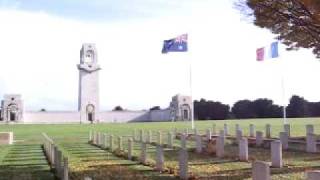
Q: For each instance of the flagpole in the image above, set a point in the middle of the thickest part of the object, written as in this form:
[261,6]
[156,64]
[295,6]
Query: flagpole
[190,83]
[283,101]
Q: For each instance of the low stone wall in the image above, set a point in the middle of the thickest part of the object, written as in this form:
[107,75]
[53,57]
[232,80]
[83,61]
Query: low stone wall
[59,117]
[123,116]
[6,138]
[51,117]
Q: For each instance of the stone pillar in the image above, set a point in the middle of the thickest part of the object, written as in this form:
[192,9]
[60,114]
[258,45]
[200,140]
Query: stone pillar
[259,138]
[287,129]
[98,139]
[90,136]
[141,139]
[220,147]
[237,128]
[243,149]
[226,130]
[208,134]
[65,168]
[260,171]
[313,175]
[93,138]
[221,133]
[160,158]
[239,135]
[251,130]
[59,164]
[170,139]
[130,148]
[186,131]
[311,146]
[183,141]
[149,136]
[183,164]
[120,143]
[284,138]
[111,142]
[174,134]
[309,129]
[276,154]
[214,132]
[55,160]
[159,138]
[268,131]
[134,135]
[195,131]
[104,137]
[198,144]
[143,154]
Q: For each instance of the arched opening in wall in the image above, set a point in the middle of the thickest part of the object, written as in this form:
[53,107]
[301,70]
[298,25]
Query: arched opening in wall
[90,112]
[12,116]
[185,112]
[12,112]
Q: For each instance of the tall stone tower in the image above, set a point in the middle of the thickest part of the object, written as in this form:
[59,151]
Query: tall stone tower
[88,103]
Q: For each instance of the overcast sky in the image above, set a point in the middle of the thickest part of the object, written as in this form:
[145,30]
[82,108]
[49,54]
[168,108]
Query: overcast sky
[40,43]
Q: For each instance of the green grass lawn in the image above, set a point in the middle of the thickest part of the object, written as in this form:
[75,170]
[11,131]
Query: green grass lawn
[25,160]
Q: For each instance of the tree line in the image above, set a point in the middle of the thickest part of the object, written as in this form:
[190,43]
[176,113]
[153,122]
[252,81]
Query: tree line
[259,108]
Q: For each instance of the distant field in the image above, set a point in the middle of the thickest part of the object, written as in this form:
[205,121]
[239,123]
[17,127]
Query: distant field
[86,160]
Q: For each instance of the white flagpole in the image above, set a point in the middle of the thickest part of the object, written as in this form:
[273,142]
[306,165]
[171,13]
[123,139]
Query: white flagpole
[190,83]
[284,101]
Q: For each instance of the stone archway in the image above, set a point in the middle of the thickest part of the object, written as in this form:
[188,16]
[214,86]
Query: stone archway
[12,112]
[90,112]
[185,112]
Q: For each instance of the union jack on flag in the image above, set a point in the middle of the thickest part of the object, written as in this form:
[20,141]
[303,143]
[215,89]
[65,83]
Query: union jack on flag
[178,44]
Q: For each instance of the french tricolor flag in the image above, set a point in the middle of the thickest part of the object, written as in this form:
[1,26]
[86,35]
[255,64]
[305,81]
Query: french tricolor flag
[270,51]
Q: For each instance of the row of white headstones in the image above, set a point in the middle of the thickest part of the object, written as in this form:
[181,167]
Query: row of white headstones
[261,170]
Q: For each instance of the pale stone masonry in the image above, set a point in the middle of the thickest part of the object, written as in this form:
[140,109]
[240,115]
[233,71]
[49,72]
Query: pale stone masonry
[159,137]
[313,175]
[88,110]
[143,153]
[208,134]
[287,129]
[259,138]
[111,142]
[198,144]
[149,136]
[183,141]
[220,147]
[6,138]
[276,154]
[160,158]
[284,138]
[226,130]
[309,129]
[260,171]
[130,148]
[214,129]
[183,164]
[243,149]
[238,135]
[311,145]
[251,130]
[268,131]
[170,139]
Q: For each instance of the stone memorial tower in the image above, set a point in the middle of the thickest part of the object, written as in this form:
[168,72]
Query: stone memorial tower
[88,102]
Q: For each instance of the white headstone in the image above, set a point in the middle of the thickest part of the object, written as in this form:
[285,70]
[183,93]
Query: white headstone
[260,171]
[276,154]
[243,149]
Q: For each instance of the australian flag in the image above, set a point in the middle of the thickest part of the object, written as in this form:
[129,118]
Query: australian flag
[178,44]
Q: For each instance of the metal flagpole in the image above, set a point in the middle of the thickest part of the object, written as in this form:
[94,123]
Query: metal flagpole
[190,83]
[283,101]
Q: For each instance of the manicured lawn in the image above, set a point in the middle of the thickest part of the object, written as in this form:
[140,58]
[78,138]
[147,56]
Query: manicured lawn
[25,160]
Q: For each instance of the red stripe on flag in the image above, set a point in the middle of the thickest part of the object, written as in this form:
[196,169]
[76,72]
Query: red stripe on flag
[260,54]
